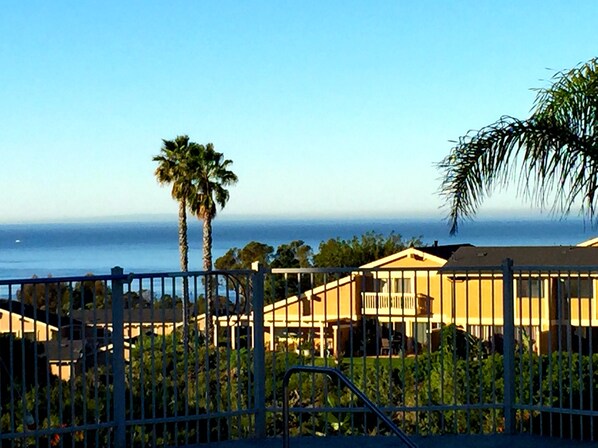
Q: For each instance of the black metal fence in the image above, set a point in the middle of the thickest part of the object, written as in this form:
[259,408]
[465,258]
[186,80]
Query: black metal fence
[185,358]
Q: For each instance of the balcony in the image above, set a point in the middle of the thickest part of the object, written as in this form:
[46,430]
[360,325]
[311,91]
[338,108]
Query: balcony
[395,304]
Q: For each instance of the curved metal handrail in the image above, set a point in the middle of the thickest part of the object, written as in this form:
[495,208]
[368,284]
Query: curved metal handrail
[338,374]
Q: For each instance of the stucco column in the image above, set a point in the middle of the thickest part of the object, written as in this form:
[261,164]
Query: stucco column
[335,339]
[272,348]
[322,341]
[215,327]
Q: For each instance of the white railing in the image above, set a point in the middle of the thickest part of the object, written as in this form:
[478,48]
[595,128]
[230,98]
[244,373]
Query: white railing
[398,303]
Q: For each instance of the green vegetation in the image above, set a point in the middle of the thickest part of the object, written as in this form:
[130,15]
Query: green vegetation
[59,297]
[357,251]
[335,252]
[200,381]
[554,153]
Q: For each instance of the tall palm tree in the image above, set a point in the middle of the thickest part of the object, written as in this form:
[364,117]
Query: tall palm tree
[173,169]
[210,177]
[554,153]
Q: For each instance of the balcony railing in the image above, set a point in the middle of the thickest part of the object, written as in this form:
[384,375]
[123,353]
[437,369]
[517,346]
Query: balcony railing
[395,303]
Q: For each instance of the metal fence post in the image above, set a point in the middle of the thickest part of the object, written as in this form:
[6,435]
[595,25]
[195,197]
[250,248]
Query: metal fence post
[259,355]
[118,357]
[509,345]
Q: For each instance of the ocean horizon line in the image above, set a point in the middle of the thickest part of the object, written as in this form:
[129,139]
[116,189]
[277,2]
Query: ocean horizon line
[152,246]
[164,218]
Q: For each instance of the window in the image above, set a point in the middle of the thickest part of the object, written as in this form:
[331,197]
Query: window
[529,287]
[579,288]
[402,285]
[29,335]
[305,306]
[381,285]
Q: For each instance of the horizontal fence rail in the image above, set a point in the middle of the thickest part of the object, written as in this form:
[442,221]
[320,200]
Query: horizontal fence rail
[166,359]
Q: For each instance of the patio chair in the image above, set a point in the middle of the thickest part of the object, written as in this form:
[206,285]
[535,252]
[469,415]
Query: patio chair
[385,348]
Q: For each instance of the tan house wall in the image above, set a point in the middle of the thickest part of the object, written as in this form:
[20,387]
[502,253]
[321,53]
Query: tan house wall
[134,329]
[427,281]
[19,326]
[481,299]
[476,301]
[64,371]
[584,311]
[435,286]
[331,302]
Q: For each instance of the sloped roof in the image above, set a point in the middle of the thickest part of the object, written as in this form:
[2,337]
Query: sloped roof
[308,293]
[63,350]
[33,313]
[142,315]
[445,252]
[441,253]
[590,242]
[541,256]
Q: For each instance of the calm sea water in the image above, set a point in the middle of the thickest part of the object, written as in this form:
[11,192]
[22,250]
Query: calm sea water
[76,249]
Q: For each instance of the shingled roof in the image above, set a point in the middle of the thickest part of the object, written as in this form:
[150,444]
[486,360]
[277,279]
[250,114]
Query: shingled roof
[444,251]
[541,256]
[33,313]
[143,315]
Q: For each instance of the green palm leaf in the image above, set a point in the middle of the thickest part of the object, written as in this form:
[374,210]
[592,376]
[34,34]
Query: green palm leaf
[553,154]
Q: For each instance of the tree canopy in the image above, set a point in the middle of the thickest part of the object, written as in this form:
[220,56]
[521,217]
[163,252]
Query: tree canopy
[357,251]
[335,252]
[295,254]
[553,154]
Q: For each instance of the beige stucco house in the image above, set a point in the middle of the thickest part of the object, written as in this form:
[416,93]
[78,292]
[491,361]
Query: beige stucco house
[24,321]
[418,290]
[400,292]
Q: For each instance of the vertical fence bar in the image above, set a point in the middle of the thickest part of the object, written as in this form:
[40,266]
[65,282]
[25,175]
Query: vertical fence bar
[259,354]
[509,345]
[118,357]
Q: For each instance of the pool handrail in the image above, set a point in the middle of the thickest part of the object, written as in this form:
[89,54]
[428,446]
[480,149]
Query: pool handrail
[332,372]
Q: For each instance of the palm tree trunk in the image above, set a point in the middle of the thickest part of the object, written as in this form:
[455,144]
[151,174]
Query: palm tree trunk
[184,258]
[207,266]
[183,243]
[207,244]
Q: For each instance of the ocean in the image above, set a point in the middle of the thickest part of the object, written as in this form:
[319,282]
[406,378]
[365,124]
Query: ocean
[81,248]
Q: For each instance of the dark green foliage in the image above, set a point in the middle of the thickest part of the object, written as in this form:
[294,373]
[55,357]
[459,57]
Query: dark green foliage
[200,381]
[59,297]
[456,341]
[236,258]
[23,367]
[162,380]
[358,251]
[295,254]
[53,296]
[472,389]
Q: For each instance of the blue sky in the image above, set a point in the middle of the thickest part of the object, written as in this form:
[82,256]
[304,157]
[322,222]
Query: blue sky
[326,108]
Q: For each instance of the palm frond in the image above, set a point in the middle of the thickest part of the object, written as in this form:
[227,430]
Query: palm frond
[553,155]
